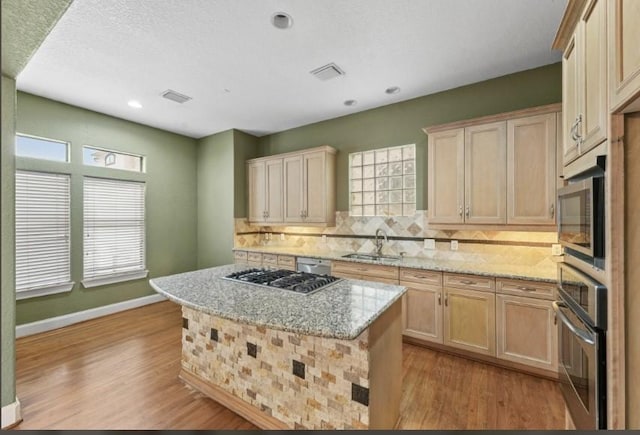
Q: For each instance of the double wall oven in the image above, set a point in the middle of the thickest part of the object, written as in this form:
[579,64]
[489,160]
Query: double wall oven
[581,308]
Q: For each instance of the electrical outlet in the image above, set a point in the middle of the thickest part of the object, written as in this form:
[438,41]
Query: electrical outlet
[324,238]
[429,243]
[556,249]
[281,236]
[454,245]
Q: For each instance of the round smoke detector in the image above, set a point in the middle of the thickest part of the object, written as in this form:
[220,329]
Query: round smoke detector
[281,20]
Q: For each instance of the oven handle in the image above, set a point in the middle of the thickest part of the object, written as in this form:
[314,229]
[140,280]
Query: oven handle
[581,333]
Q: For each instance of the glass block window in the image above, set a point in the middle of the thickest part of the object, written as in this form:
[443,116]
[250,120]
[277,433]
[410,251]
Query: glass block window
[382,182]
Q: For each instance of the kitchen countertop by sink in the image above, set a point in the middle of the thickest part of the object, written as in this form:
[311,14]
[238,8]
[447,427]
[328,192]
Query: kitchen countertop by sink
[476,268]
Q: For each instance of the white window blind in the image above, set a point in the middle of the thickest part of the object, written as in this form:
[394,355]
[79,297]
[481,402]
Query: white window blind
[43,230]
[114,231]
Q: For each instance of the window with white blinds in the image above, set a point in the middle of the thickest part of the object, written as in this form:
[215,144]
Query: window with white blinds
[114,231]
[43,227]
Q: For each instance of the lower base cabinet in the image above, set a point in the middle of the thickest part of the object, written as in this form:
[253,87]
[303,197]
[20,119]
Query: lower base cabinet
[469,320]
[422,312]
[525,331]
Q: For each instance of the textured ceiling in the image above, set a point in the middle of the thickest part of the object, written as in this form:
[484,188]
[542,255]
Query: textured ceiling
[25,24]
[243,73]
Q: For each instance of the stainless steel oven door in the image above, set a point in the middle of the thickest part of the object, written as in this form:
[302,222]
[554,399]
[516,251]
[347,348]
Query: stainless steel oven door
[581,374]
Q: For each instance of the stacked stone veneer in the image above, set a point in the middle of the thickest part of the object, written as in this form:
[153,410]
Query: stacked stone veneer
[304,381]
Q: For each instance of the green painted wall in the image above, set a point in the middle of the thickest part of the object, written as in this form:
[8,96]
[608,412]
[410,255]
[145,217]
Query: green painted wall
[245,148]
[7,243]
[170,196]
[402,123]
[215,199]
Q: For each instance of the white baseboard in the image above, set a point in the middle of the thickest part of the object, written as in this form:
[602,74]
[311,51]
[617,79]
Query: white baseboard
[81,316]
[11,414]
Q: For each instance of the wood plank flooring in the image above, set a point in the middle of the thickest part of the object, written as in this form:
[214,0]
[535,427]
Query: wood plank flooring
[120,372]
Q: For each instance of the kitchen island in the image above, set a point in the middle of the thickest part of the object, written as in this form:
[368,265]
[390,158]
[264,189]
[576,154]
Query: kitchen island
[283,360]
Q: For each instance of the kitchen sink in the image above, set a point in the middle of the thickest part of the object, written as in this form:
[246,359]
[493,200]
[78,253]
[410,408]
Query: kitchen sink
[372,257]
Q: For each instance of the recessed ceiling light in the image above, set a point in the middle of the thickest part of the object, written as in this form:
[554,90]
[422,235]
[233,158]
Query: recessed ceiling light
[281,20]
[392,90]
[350,102]
[135,104]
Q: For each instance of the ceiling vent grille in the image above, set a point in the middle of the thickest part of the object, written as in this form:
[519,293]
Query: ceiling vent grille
[328,71]
[175,96]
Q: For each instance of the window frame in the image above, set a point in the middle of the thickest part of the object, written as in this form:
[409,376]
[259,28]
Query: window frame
[58,287]
[143,159]
[47,139]
[115,277]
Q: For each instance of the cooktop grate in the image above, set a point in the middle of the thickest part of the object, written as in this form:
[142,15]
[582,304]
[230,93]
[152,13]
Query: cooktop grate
[299,282]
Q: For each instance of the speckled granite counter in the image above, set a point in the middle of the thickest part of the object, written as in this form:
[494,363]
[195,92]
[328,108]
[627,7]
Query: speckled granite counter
[342,310]
[475,268]
[284,360]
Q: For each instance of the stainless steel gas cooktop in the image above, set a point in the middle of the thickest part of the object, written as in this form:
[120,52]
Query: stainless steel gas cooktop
[299,282]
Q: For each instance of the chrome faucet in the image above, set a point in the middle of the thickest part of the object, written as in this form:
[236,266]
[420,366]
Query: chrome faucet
[378,241]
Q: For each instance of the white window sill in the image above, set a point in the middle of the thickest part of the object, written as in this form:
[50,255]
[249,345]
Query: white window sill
[112,279]
[43,291]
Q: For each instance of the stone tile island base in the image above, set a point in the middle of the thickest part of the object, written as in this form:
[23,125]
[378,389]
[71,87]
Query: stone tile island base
[284,380]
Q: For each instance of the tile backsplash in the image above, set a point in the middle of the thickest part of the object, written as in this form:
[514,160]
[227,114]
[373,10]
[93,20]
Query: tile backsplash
[406,234]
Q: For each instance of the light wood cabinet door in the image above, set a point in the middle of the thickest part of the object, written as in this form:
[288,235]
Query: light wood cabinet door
[274,190]
[593,107]
[293,203]
[485,190]
[469,320]
[422,312]
[257,191]
[531,170]
[570,106]
[314,187]
[446,177]
[526,332]
[624,53]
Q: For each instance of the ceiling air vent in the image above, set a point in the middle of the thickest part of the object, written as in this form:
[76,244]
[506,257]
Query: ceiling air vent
[327,72]
[175,96]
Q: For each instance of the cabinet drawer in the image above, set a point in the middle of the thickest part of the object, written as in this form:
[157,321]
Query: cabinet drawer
[470,282]
[532,289]
[271,259]
[240,256]
[421,276]
[366,270]
[254,257]
[285,260]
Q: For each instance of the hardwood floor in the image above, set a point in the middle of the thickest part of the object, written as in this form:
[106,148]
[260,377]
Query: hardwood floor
[120,372]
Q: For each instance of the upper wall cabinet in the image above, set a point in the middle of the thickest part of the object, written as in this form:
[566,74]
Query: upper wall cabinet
[585,83]
[531,170]
[624,53]
[293,188]
[265,191]
[497,170]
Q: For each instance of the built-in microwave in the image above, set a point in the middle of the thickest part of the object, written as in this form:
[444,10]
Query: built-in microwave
[581,214]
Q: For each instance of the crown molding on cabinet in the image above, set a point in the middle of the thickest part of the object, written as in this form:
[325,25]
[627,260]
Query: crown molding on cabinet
[568,24]
[539,110]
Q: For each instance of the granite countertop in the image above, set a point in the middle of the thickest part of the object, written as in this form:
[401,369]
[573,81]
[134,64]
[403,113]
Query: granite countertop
[342,310]
[474,268]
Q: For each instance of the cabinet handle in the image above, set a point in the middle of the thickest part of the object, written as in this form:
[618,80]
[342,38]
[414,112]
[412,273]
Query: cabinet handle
[467,211]
[552,210]
[467,282]
[439,299]
[526,289]
[446,300]
[460,210]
